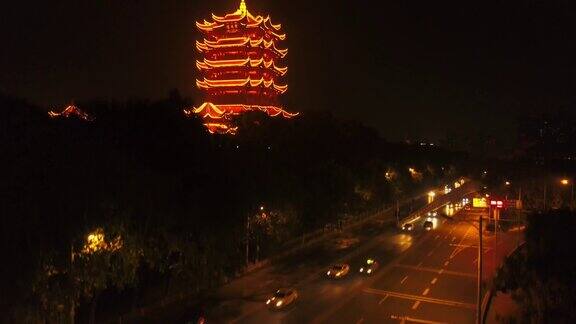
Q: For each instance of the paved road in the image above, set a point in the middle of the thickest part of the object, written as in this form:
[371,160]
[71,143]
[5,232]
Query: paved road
[427,277]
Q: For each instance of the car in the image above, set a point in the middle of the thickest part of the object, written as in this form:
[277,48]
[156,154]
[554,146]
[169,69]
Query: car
[428,225]
[369,267]
[338,271]
[282,298]
[408,226]
[432,214]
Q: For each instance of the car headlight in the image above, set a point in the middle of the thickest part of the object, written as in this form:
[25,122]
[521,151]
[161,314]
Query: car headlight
[279,303]
[268,301]
[369,271]
[338,274]
[361,269]
[328,273]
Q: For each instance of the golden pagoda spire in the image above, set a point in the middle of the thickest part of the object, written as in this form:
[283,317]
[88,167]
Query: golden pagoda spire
[242,8]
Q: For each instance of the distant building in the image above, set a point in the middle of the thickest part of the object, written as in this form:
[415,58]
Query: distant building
[71,111]
[240,69]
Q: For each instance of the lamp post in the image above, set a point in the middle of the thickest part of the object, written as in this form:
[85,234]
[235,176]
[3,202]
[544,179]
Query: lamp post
[431,196]
[566,182]
[247,240]
[479,283]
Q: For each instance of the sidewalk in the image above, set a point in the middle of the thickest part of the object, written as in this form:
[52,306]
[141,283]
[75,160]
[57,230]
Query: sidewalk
[501,307]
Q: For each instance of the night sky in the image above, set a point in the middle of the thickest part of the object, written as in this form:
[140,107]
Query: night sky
[407,68]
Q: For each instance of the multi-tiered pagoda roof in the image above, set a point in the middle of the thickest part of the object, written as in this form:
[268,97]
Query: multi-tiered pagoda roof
[240,68]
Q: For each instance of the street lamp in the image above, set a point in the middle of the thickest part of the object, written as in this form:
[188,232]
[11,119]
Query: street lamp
[507,183]
[431,196]
[566,182]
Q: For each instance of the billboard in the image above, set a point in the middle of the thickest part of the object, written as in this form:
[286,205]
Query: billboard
[479,203]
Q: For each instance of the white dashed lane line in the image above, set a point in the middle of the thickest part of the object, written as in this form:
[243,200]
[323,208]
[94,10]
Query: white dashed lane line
[383,299]
[402,282]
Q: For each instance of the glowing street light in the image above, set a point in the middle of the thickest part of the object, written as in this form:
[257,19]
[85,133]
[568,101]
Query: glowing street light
[566,182]
[507,183]
[431,196]
[95,242]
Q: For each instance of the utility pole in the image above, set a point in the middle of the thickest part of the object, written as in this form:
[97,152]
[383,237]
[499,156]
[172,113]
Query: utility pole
[479,297]
[496,219]
[247,240]
[544,208]
[72,314]
[397,212]
[572,195]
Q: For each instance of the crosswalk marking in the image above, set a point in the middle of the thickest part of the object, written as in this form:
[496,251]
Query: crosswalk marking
[419,298]
[439,271]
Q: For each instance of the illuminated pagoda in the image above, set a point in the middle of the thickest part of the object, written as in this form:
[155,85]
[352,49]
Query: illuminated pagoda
[71,111]
[239,69]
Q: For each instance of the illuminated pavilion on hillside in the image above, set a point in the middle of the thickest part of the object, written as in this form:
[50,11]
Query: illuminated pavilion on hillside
[71,111]
[239,69]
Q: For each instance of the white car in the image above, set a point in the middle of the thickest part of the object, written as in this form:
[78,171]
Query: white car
[338,271]
[282,298]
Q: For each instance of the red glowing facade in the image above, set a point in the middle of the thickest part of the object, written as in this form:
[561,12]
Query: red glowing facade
[71,111]
[240,69]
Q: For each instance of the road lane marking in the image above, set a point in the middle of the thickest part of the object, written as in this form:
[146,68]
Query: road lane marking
[419,264]
[420,298]
[454,239]
[416,304]
[440,271]
[402,282]
[404,319]
[434,280]
[383,299]
[446,263]
[437,237]
[425,292]
[430,253]
[360,321]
